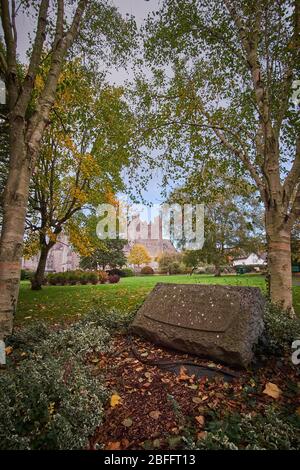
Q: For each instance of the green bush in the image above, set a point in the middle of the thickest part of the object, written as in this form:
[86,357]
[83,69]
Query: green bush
[280,331]
[73,277]
[147,270]
[111,320]
[61,278]
[127,272]
[47,404]
[170,263]
[50,400]
[28,339]
[84,278]
[26,275]
[176,267]
[93,277]
[271,431]
[52,279]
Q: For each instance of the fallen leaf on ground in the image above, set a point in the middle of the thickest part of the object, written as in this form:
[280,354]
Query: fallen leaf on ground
[193,387]
[200,420]
[197,400]
[115,400]
[154,414]
[127,422]
[113,446]
[95,361]
[8,350]
[156,443]
[125,443]
[183,375]
[272,390]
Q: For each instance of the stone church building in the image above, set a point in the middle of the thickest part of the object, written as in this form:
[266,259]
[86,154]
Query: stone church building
[62,257]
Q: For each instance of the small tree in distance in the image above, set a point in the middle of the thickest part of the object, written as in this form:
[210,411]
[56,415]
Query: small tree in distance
[139,255]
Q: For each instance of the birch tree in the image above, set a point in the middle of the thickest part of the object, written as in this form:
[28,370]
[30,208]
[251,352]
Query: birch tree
[58,24]
[229,95]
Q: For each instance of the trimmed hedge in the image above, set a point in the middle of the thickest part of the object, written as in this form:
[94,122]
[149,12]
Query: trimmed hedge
[78,277]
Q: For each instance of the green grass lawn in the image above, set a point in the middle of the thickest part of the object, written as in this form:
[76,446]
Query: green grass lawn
[58,302]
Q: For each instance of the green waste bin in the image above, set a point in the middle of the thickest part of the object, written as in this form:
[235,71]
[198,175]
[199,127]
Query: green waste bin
[241,269]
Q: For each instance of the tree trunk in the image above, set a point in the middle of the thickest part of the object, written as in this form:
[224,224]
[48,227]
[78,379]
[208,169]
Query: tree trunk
[280,267]
[217,271]
[38,278]
[14,212]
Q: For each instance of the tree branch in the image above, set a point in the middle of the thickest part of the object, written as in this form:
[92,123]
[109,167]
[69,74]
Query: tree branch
[292,178]
[35,58]
[3,63]
[61,44]
[11,55]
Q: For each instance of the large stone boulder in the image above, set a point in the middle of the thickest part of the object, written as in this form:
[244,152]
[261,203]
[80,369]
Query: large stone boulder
[219,322]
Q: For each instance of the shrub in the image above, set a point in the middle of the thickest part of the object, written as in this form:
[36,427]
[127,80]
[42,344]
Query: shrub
[271,431]
[61,279]
[127,272]
[27,339]
[50,400]
[111,320]
[26,275]
[48,405]
[73,277]
[175,267]
[147,270]
[93,278]
[170,262]
[117,271]
[280,331]
[113,278]
[103,277]
[84,278]
[52,279]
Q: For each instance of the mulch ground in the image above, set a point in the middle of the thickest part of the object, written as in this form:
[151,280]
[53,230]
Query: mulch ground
[154,408]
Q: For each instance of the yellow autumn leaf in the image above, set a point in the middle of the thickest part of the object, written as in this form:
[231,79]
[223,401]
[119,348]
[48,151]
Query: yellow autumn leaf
[115,400]
[272,390]
[8,350]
